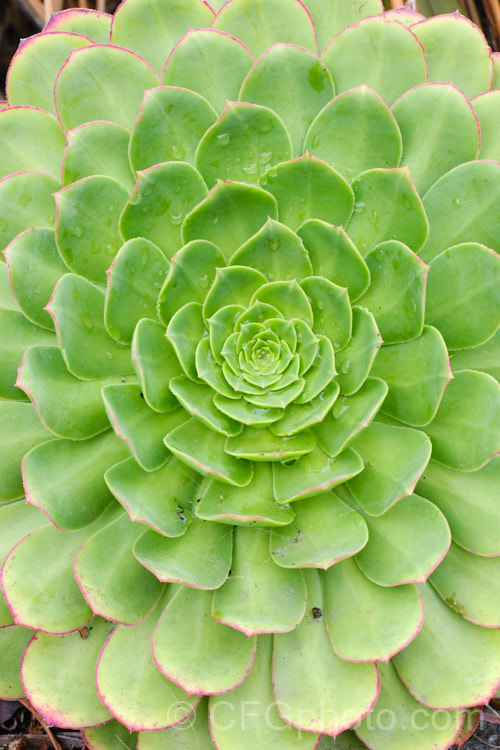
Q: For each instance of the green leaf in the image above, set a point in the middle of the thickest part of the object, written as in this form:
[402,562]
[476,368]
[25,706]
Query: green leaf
[192,273]
[198,400]
[394,458]
[231,214]
[308,675]
[209,62]
[324,531]
[87,232]
[245,506]
[171,125]
[243,411]
[320,373]
[164,194]
[209,370]
[58,469]
[484,357]
[134,278]
[397,291]
[287,297]
[461,279]
[355,360]
[233,285]
[177,559]
[417,373]
[456,51]
[35,266]
[259,444]
[203,449]
[414,537]
[155,363]
[314,473]
[276,252]
[367,622]
[30,139]
[244,142]
[307,188]
[13,641]
[7,300]
[333,255]
[155,498]
[460,207]
[98,148]
[385,56]
[259,597]
[96,26]
[387,207]
[66,699]
[141,428]
[448,646]
[259,27]
[453,139]
[184,332]
[35,66]
[17,334]
[300,416]
[82,94]
[22,430]
[77,307]
[469,502]
[463,580]
[110,736]
[350,415]
[465,432]
[294,83]
[195,729]
[219,658]
[26,200]
[151,30]
[486,108]
[67,406]
[339,137]
[126,674]
[331,310]
[113,582]
[429,728]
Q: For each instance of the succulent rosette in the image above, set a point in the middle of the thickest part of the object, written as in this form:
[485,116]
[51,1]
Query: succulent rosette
[250,351]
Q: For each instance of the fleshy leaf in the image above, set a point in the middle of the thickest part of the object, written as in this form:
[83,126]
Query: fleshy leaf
[30,139]
[469,502]
[155,362]
[17,334]
[314,473]
[246,413]
[331,17]
[198,400]
[258,596]
[452,39]
[394,458]
[447,646]
[333,255]
[263,445]
[324,531]
[82,94]
[96,25]
[294,83]
[60,468]
[203,449]
[308,675]
[465,272]
[384,55]
[141,428]
[460,207]
[152,30]
[396,293]
[417,373]
[465,432]
[184,332]
[231,214]
[233,285]
[484,357]
[308,188]
[26,200]
[13,641]
[243,506]
[219,658]
[453,138]
[134,278]
[331,310]
[171,125]
[66,699]
[387,207]
[98,148]
[300,416]
[164,194]
[177,559]
[195,729]
[355,360]
[109,736]
[244,142]
[77,307]
[209,62]
[259,27]
[334,136]
[486,107]
[367,622]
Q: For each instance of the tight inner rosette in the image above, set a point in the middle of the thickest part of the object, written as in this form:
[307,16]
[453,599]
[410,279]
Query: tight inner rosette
[249,361]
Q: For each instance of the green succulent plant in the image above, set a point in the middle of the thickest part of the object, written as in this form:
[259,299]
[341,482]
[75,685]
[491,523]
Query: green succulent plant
[249,362]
